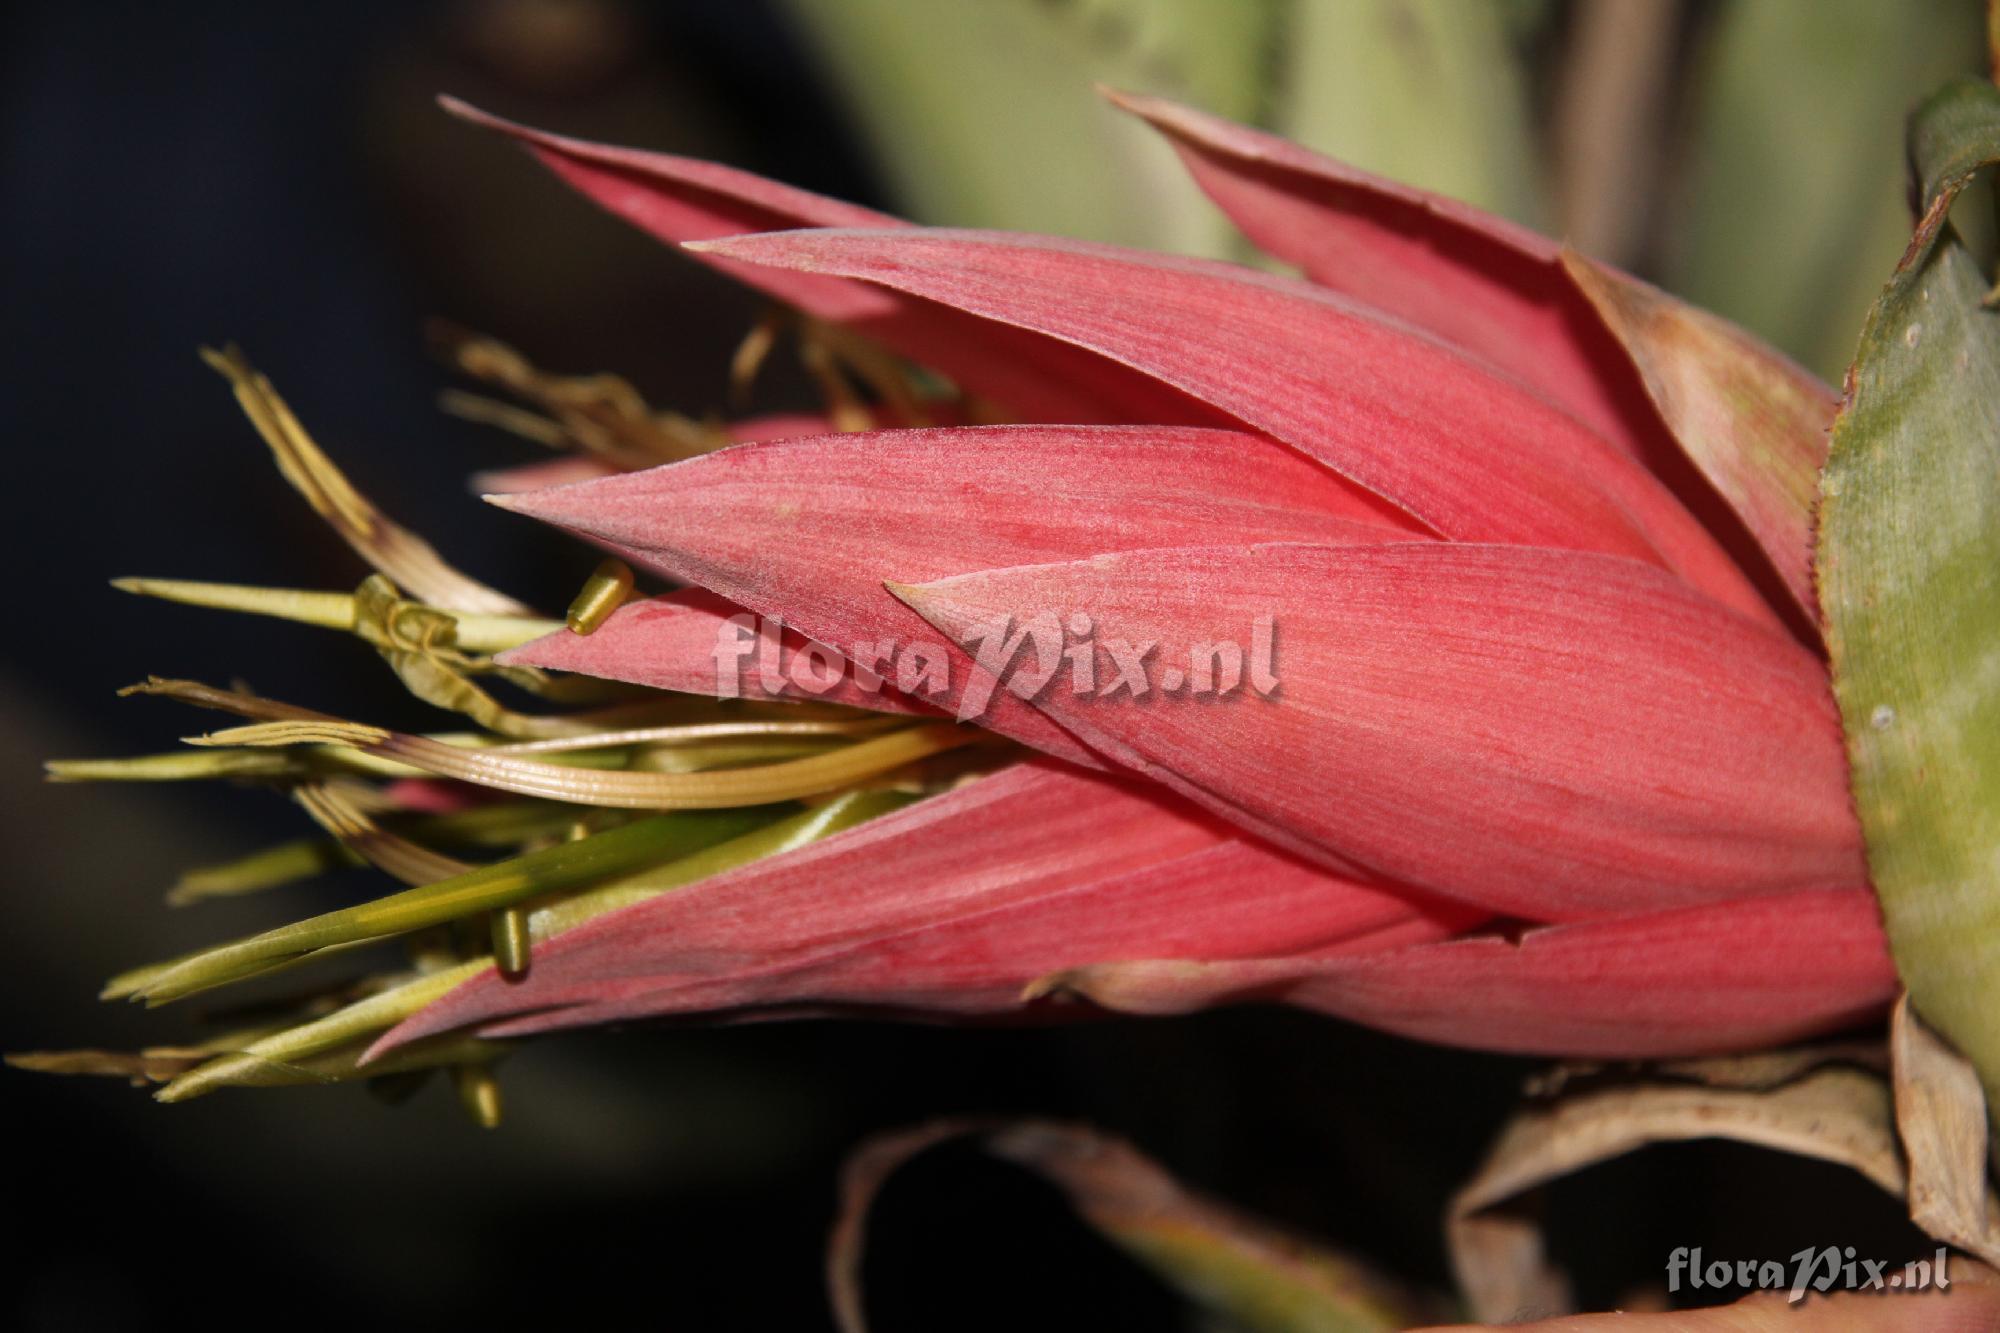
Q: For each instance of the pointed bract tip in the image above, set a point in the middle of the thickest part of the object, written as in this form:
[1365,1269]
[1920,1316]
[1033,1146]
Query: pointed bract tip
[486,120]
[749,244]
[923,598]
[542,504]
[800,249]
[573,506]
[1050,984]
[1627,305]
[466,111]
[1139,104]
[1582,269]
[1173,118]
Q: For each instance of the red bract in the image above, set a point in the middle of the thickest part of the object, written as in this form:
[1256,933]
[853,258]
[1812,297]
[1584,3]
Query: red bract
[1548,763]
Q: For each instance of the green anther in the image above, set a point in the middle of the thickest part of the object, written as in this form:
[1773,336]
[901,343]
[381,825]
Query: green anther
[510,942]
[478,1093]
[604,592]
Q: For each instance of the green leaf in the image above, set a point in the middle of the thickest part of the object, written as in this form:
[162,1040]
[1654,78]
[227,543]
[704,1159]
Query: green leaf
[1952,136]
[1794,200]
[1909,568]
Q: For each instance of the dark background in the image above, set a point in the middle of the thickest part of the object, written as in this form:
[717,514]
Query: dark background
[276,175]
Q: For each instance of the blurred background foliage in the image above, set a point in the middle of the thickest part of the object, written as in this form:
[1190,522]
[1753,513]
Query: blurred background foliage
[278,174]
[1793,204]
[1433,90]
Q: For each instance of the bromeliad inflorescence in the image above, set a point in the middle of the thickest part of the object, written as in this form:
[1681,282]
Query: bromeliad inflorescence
[1550,763]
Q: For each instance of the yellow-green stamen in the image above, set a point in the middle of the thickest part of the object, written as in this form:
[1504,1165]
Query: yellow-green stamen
[603,592]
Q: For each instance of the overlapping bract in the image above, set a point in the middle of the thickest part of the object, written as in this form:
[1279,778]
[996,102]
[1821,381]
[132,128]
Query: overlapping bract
[1533,536]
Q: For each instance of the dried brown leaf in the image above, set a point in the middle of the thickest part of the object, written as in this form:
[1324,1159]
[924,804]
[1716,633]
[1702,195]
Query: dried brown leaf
[387,546]
[1257,1275]
[1941,1114]
[1830,1111]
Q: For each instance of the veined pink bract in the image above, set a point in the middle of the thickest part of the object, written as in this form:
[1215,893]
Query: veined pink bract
[1552,765]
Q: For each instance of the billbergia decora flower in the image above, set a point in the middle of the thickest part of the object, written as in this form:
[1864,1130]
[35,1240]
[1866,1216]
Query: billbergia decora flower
[1429,640]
